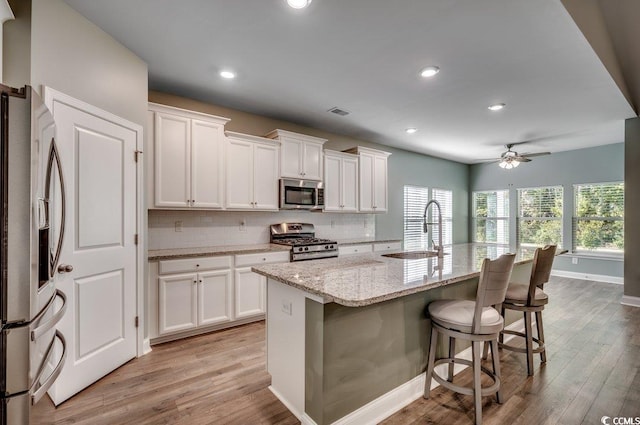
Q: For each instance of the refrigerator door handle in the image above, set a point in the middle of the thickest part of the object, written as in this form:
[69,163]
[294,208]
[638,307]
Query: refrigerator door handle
[43,328]
[36,394]
[55,156]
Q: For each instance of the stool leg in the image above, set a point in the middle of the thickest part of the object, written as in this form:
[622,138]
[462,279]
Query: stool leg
[485,351]
[452,354]
[543,353]
[476,349]
[502,312]
[496,367]
[529,342]
[430,362]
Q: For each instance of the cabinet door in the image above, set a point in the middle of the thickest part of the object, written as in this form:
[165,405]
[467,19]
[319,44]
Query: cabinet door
[177,303]
[332,183]
[239,174]
[206,164]
[265,172]
[214,297]
[380,184]
[349,187]
[312,161]
[250,290]
[291,152]
[172,161]
[366,182]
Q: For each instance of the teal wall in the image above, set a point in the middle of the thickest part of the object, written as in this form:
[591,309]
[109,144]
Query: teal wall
[407,168]
[592,165]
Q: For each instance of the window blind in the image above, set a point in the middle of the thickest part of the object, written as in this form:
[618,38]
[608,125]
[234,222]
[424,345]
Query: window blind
[598,220]
[540,216]
[445,198]
[491,216]
[415,199]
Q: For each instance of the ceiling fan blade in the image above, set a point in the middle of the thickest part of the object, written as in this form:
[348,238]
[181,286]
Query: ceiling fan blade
[521,159]
[479,161]
[530,155]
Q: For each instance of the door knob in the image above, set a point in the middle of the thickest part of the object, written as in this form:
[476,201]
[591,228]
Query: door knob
[65,268]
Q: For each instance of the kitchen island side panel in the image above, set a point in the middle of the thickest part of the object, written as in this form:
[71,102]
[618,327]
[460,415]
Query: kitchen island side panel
[357,354]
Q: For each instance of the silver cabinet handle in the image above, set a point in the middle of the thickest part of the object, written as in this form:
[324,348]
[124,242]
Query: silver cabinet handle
[55,156]
[37,393]
[65,268]
[40,330]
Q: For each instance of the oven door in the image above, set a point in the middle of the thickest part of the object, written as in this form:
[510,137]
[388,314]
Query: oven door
[299,194]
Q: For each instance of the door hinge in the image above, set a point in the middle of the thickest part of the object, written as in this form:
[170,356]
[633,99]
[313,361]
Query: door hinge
[135,239]
[136,153]
[137,321]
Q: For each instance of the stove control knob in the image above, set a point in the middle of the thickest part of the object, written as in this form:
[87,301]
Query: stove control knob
[326,247]
[306,248]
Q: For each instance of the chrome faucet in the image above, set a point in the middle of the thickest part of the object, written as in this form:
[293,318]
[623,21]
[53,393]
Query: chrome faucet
[425,227]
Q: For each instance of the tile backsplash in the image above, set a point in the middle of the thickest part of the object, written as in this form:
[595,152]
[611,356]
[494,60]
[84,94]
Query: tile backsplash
[192,229]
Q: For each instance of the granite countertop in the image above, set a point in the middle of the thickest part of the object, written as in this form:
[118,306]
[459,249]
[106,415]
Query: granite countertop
[345,242]
[364,279]
[172,254]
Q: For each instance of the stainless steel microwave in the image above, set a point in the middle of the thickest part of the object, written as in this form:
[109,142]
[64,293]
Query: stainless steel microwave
[301,194]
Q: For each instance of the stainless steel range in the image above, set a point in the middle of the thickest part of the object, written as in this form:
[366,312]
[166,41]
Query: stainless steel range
[301,237]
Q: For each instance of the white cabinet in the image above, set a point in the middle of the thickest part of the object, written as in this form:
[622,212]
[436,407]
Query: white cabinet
[251,172]
[188,158]
[300,155]
[190,300]
[355,249]
[372,179]
[341,182]
[251,288]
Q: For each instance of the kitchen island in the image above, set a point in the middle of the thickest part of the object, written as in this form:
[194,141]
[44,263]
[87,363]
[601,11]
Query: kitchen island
[347,337]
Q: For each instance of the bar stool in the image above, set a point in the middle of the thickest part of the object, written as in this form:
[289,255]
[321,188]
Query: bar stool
[530,298]
[476,321]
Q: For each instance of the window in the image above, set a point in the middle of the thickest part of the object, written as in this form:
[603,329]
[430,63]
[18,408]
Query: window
[491,216]
[415,199]
[598,221]
[540,216]
[445,198]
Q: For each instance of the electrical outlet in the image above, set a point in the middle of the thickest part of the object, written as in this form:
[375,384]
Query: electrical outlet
[574,260]
[178,226]
[287,307]
[243,225]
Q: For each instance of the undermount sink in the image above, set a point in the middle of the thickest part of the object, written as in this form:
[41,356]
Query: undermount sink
[413,255]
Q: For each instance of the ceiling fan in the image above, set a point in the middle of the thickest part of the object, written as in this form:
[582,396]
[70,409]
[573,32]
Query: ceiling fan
[511,159]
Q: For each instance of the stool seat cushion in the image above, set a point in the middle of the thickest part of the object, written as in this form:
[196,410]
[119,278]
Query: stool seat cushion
[458,315]
[517,294]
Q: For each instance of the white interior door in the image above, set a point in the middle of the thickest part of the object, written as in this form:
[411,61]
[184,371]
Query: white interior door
[100,180]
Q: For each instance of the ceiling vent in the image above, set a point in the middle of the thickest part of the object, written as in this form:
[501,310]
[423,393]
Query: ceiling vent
[338,111]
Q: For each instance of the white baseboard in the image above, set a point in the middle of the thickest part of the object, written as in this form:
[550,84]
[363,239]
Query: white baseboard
[302,416]
[401,396]
[585,276]
[629,300]
[146,346]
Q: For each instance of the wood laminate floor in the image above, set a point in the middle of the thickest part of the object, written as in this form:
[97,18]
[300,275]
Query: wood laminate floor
[592,370]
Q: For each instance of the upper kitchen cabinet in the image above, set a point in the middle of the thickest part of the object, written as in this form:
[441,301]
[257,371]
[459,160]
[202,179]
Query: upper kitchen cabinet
[300,155]
[372,179]
[188,151]
[251,172]
[340,181]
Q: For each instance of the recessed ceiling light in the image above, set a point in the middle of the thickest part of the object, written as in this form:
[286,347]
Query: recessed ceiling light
[429,71]
[411,130]
[497,106]
[229,75]
[298,4]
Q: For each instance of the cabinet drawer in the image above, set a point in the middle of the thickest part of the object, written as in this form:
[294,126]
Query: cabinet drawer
[194,264]
[262,258]
[354,249]
[387,246]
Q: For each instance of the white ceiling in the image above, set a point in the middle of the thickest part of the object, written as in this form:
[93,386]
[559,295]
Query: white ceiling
[364,56]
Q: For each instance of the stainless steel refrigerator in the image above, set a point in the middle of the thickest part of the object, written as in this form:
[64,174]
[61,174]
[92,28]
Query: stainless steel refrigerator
[32,210]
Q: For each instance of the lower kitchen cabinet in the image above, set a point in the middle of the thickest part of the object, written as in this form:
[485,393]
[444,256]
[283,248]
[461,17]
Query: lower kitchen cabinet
[250,294]
[186,301]
[200,294]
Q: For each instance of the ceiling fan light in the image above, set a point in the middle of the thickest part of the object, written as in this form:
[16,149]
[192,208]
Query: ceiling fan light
[298,4]
[503,164]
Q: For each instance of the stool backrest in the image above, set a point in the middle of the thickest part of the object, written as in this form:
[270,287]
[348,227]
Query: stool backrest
[492,286]
[541,269]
